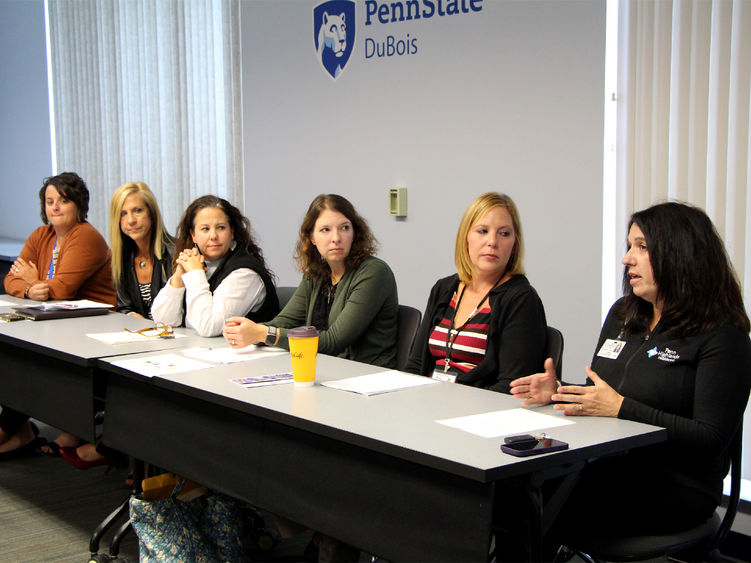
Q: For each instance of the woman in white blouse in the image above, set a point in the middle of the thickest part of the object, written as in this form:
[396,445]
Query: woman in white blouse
[218,271]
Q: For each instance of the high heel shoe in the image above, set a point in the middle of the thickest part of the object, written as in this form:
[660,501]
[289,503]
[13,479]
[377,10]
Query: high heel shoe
[71,456]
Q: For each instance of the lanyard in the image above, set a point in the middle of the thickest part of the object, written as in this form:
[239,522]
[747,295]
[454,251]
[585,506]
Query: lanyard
[449,340]
[53,261]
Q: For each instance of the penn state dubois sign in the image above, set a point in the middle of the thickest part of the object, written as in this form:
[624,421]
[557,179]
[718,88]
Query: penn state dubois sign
[334,34]
[391,28]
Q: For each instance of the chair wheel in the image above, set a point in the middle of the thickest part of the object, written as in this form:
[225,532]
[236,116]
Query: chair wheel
[265,540]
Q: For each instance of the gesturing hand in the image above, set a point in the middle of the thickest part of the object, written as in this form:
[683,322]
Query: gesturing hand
[538,388]
[599,399]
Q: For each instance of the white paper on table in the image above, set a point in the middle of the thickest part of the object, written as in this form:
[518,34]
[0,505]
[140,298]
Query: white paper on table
[125,337]
[8,303]
[504,423]
[227,355]
[381,382]
[164,364]
[66,305]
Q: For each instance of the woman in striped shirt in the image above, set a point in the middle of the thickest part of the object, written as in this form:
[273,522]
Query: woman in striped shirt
[485,325]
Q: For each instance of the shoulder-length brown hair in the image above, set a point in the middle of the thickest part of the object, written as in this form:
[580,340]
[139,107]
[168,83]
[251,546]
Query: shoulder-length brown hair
[479,207]
[364,244]
[239,224]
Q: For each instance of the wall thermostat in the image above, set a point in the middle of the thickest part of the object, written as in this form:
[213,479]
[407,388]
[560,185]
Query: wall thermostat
[398,202]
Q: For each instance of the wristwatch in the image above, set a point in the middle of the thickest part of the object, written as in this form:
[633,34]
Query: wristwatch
[26,292]
[272,336]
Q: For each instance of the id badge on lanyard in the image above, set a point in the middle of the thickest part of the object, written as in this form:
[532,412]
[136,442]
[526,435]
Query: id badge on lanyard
[440,375]
[611,348]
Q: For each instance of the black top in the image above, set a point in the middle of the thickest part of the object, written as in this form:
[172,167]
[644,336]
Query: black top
[239,258]
[516,338]
[128,293]
[697,387]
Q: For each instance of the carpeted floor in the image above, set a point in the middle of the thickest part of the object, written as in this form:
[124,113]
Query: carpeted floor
[48,509]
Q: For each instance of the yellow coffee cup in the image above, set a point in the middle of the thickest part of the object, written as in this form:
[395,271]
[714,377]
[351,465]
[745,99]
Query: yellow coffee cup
[303,351]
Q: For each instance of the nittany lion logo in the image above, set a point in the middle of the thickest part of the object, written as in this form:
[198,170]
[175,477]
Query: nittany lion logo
[334,34]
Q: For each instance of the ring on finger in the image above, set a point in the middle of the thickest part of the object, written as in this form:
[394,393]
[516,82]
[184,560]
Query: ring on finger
[581,407]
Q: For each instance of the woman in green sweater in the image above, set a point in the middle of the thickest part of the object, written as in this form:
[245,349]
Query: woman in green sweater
[347,293]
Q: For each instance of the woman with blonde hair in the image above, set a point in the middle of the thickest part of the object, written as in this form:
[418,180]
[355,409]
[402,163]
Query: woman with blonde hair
[485,325]
[141,248]
[141,260]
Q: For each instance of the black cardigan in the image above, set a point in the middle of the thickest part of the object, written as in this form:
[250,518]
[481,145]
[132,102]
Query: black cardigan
[128,295]
[516,338]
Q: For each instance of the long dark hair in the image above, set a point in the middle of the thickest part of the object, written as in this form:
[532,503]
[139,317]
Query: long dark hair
[695,280]
[307,256]
[238,222]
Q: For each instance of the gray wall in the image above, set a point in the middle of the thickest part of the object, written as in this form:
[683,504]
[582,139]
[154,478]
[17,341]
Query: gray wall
[25,147]
[509,98]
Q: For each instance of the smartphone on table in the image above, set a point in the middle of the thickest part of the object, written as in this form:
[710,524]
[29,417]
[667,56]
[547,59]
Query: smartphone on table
[526,445]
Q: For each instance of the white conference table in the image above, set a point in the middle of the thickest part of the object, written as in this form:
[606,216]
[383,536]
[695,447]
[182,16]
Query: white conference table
[48,367]
[377,472]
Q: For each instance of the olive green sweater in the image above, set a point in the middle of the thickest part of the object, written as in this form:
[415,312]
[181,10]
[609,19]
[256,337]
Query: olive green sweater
[362,321]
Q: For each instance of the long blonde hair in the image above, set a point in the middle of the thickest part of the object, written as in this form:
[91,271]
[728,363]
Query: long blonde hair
[160,239]
[479,207]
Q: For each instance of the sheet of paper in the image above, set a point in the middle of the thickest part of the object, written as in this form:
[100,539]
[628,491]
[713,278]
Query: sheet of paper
[164,364]
[505,423]
[381,382]
[4,303]
[263,380]
[125,337]
[79,304]
[227,355]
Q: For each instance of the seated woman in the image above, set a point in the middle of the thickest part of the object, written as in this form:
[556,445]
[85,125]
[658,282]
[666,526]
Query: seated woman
[485,325]
[347,293]
[141,248]
[674,352]
[219,272]
[66,258]
[141,257]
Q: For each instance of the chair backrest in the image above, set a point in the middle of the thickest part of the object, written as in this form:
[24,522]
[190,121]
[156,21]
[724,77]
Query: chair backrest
[284,294]
[736,455]
[407,323]
[554,348]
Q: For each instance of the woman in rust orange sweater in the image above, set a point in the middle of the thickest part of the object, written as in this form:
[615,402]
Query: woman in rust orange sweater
[66,258]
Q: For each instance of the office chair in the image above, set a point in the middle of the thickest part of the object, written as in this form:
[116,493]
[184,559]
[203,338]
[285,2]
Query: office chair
[554,348]
[700,543]
[407,323]
[284,294]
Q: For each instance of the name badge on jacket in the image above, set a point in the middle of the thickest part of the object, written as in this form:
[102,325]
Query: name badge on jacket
[441,376]
[611,349]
